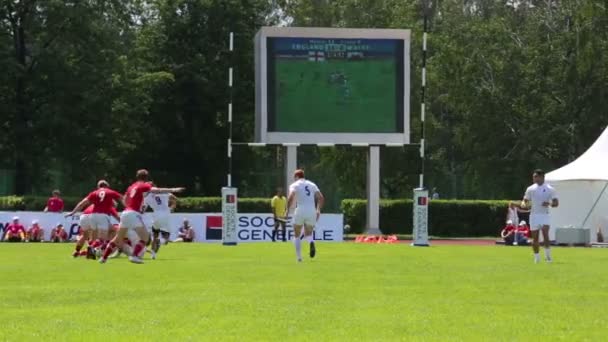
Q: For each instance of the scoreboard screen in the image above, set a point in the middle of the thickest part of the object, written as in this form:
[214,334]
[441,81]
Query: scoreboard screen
[334,84]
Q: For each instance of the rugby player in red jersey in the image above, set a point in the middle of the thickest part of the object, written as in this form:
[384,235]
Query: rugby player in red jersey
[131,217]
[86,228]
[103,200]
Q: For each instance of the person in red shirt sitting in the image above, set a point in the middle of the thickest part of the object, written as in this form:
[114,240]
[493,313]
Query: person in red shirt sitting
[35,233]
[15,232]
[55,203]
[508,233]
[59,234]
[522,234]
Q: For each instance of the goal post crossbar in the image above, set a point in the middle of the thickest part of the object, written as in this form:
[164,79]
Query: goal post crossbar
[253,144]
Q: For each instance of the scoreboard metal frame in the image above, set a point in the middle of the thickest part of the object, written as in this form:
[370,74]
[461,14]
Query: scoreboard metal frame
[263,135]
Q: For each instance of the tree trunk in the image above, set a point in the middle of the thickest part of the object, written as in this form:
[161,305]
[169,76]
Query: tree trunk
[22,104]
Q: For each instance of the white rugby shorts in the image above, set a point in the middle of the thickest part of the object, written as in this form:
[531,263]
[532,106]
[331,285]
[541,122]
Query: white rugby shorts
[100,221]
[85,221]
[131,219]
[161,222]
[133,237]
[305,216]
[539,220]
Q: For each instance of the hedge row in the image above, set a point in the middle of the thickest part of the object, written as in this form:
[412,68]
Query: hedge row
[446,217]
[184,205]
[449,218]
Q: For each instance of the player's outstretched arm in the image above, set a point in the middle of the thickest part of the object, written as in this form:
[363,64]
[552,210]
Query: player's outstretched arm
[83,204]
[156,190]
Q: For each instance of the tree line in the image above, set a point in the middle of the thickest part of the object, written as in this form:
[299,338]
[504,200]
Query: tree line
[98,88]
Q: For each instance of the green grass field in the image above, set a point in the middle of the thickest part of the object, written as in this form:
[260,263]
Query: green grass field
[308,102]
[351,292]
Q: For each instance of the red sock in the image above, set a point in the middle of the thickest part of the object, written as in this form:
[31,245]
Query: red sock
[139,247]
[109,249]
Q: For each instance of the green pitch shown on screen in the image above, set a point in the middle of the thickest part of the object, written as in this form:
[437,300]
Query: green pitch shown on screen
[341,86]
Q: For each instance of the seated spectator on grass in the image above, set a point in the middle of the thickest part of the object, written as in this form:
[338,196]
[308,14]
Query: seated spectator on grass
[55,203]
[522,233]
[186,233]
[35,233]
[58,234]
[15,232]
[508,233]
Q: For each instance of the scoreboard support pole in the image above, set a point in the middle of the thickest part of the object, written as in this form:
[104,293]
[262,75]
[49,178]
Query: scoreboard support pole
[373,190]
[291,164]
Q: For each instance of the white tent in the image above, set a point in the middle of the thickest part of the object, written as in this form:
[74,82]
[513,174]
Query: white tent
[582,189]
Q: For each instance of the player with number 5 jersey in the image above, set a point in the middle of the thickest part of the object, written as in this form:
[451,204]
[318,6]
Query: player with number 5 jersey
[308,201]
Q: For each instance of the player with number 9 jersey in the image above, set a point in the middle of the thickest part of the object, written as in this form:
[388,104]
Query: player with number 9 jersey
[103,200]
[159,203]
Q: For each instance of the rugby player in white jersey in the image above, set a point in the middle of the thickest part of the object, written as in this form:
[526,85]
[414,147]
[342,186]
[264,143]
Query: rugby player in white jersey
[162,205]
[539,197]
[308,201]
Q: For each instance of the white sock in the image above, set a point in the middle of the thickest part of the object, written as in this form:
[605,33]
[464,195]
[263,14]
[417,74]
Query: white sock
[536,257]
[298,244]
[310,238]
[548,253]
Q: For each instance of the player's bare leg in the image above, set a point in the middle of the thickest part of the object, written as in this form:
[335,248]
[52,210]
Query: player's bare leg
[92,236]
[155,242]
[115,243]
[140,246]
[81,241]
[308,236]
[535,246]
[102,238]
[297,230]
[547,243]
